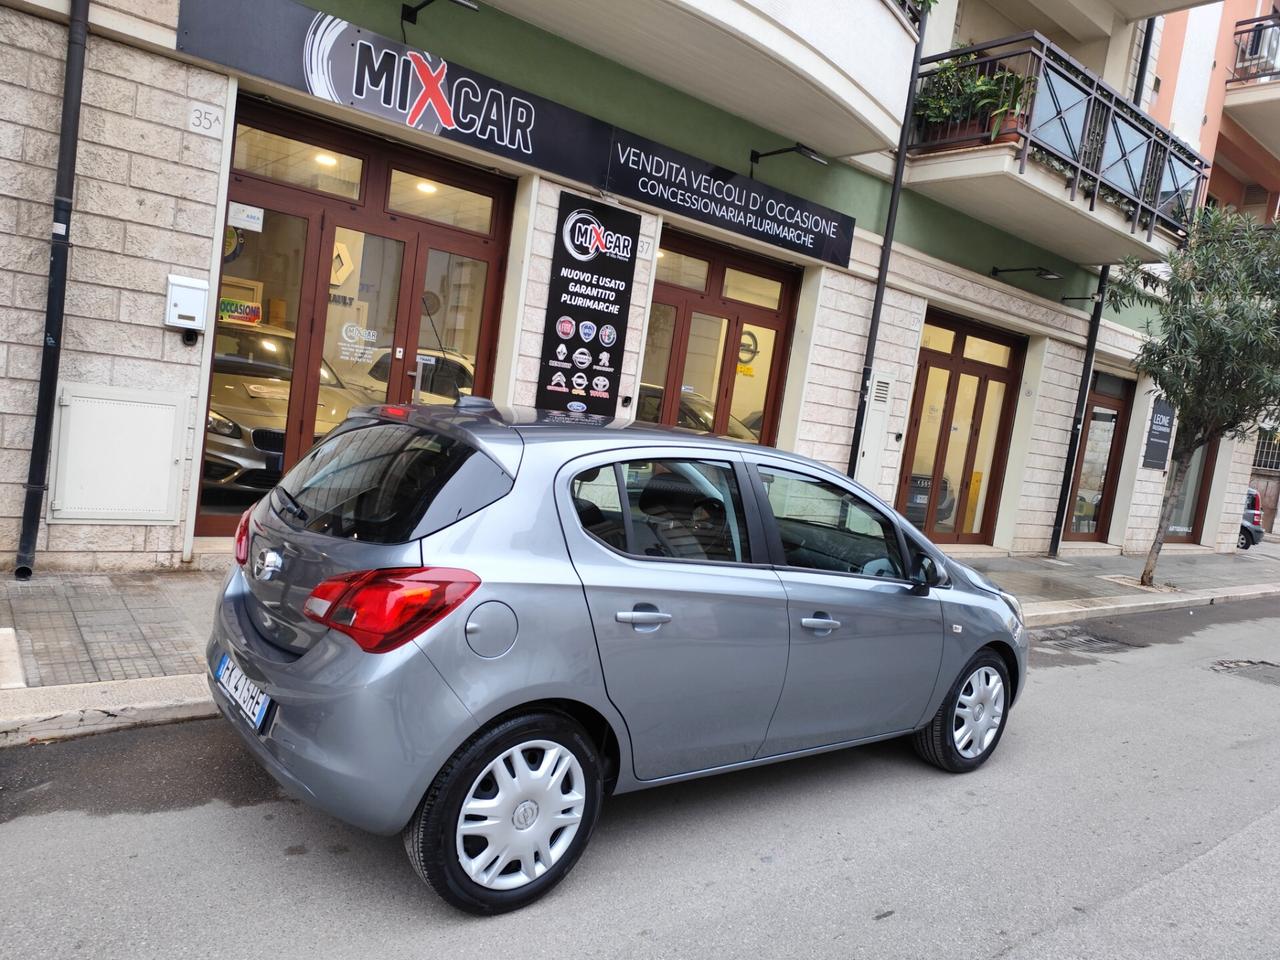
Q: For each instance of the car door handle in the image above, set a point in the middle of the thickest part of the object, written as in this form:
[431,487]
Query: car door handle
[645,618]
[825,624]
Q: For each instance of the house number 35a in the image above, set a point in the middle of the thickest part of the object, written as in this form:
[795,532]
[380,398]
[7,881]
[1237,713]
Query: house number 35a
[205,120]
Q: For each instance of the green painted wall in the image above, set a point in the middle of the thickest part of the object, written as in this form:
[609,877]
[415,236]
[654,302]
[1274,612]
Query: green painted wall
[515,52]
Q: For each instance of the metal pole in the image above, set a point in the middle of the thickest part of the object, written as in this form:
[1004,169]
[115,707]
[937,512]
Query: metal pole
[55,301]
[882,278]
[1082,403]
[1140,81]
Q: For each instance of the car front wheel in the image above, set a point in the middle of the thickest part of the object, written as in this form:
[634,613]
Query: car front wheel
[508,815]
[971,719]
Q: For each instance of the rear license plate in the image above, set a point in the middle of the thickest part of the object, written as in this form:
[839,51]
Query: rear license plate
[248,695]
[920,498]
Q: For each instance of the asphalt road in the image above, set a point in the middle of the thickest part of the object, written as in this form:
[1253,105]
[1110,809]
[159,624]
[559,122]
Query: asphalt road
[1132,810]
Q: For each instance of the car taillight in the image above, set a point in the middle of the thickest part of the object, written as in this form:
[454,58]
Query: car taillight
[242,538]
[1257,517]
[383,609]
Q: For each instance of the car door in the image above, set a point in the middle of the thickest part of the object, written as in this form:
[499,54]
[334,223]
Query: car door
[865,647]
[689,617]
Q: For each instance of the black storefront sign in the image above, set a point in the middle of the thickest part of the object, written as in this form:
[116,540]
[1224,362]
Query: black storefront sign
[1155,456]
[592,269]
[335,60]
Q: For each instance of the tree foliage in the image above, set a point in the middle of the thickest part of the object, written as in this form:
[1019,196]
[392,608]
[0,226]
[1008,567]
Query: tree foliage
[1216,353]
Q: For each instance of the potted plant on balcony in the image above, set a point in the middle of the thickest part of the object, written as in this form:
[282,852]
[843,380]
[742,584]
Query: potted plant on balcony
[967,104]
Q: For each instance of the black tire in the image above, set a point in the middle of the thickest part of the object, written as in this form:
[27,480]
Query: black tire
[1245,541]
[935,742]
[430,838]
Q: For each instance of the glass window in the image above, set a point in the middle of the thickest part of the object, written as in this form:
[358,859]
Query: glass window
[749,288]
[387,483]
[433,200]
[452,313]
[985,351]
[1109,385]
[826,528]
[678,509]
[938,338]
[682,270]
[293,161]
[657,358]
[595,496]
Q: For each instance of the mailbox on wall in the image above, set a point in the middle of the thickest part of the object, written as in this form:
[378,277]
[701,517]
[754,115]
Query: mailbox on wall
[187,304]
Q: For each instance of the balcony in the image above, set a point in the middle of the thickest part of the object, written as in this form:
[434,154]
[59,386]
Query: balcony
[1253,89]
[832,75]
[1020,135]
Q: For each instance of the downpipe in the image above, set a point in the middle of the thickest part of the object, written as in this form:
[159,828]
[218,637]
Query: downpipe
[55,301]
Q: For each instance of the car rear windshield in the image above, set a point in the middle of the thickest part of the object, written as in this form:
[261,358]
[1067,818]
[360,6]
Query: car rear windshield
[388,483]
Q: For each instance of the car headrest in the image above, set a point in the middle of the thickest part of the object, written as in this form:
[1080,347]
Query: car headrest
[669,493]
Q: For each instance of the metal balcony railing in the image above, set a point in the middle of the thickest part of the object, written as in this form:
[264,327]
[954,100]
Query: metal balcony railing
[1257,50]
[1023,90]
[912,9]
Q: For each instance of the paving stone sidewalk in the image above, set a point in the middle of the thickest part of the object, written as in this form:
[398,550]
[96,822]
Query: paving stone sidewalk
[81,628]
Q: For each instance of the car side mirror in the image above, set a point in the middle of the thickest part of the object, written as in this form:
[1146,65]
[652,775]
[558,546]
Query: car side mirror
[925,574]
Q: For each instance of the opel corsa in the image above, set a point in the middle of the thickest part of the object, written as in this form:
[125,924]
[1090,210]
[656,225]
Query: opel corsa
[471,627]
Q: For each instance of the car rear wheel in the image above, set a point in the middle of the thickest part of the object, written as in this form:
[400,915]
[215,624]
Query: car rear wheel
[1245,541]
[509,815]
[971,719]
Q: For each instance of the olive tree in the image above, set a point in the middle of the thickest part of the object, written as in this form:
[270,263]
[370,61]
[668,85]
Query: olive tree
[1215,355]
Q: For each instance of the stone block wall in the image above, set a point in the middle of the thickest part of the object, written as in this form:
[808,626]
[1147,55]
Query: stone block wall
[144,207]
[1232,507]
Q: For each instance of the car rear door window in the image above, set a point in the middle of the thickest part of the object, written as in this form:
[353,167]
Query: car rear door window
[824,527]
[388,483]
[679,509]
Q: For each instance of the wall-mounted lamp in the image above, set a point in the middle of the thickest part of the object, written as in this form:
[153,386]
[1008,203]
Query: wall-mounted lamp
[800,148]
[1092,298]
[409,11]
[1042,273]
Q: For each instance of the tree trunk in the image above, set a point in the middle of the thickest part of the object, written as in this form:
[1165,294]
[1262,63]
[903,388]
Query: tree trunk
[1177,479]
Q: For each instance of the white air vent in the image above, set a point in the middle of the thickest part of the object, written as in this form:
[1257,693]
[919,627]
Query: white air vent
[116,454]
[880,389]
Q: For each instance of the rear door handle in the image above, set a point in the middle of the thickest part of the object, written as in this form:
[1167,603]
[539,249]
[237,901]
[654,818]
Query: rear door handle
[640,618]
[820,623]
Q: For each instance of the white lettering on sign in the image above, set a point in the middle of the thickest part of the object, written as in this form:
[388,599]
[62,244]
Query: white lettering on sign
[244,216]
[204,120]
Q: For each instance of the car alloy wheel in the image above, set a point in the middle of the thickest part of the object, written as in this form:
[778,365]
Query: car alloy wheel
[979,710]
[1245,542]
[521,815]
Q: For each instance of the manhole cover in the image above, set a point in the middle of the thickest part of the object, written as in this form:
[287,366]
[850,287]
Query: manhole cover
[1263,671]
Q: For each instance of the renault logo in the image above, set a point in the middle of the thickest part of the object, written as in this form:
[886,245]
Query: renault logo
[267,564]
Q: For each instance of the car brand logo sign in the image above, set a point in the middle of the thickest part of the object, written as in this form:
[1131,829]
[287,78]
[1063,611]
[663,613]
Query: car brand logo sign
[600,383]
[582,357]
[579,381]
[588,331]
[576,406]
[584,236]
[608,335]
[565,328]
[267,564]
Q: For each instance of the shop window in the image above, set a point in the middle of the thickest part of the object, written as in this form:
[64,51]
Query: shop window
[302,164]
[1110,386]
[682,270]
[938,338]
[749,288]
[440,202]
[985,351]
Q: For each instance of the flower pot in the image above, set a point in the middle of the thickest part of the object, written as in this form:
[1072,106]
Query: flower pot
[960,135]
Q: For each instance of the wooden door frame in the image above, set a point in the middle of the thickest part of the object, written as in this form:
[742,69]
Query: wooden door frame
[1121,406]
[709,300]
[957,364]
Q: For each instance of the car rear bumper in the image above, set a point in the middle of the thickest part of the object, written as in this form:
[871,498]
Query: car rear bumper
[1254,531]
[357,735]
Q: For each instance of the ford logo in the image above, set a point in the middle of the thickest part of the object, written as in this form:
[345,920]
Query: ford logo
[577,406]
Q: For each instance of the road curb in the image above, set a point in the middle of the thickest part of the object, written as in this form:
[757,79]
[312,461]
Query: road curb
[35,714]
[39,714]
[1054,613]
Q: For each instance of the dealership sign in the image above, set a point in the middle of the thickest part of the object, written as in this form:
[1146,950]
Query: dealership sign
[342,63]
[592,268]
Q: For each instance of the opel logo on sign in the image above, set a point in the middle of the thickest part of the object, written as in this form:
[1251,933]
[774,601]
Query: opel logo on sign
[267,564]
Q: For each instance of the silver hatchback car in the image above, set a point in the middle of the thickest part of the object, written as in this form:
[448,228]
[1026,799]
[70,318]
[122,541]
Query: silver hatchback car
[472,626]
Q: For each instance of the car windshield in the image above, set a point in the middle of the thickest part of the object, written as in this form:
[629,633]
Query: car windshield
[259,353]
[696,413]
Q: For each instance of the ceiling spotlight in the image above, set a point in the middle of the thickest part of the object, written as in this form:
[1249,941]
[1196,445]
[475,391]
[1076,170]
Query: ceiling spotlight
[806,152]
[326,160]
[426,186]
[1042,273]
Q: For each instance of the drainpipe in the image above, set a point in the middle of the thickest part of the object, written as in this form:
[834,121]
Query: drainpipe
[890,224]
[1091,345]
[60,245]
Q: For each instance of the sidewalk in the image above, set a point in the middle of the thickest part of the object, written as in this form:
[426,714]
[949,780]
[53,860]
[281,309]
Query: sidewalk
[99,651]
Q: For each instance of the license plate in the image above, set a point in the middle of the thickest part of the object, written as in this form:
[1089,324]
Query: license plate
[920,498]
[248,695]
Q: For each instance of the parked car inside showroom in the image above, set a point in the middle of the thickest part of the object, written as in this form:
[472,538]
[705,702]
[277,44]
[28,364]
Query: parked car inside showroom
[471,627]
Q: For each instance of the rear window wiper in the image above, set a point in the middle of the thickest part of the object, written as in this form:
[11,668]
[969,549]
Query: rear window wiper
[292,505]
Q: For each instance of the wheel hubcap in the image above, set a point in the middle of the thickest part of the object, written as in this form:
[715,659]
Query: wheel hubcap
[979,710]
[521,815]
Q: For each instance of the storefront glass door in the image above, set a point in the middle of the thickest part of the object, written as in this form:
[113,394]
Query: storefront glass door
[960,418]
[1098,462]
[1187,523]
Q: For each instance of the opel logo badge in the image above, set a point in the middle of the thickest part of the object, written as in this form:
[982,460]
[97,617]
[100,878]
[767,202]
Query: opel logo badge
[267,564]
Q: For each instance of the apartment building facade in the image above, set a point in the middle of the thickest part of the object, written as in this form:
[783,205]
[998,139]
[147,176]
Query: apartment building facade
[660,211]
